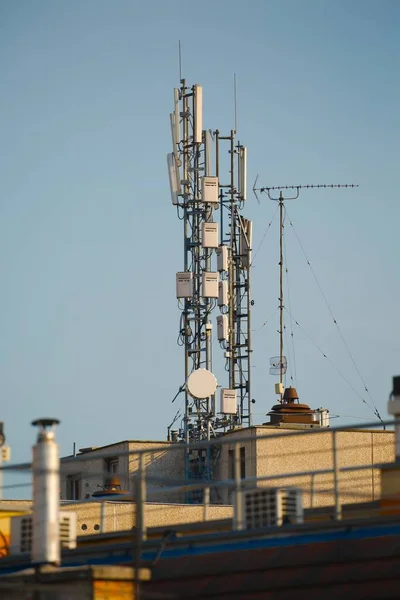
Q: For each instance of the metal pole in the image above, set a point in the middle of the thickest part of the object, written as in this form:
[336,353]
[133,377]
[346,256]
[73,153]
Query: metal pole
[232,269]
[141,498]
[249,341]
[103,517]
[312,490]
[281,289]
[338,508]
[206,503]
[140,519]
[238,508]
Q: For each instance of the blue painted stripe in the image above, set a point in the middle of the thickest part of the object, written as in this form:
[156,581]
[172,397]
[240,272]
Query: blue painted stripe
[290,540]
[124,556]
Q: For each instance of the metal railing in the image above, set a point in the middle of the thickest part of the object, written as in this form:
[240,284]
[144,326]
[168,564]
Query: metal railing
[238,484]
[150,485]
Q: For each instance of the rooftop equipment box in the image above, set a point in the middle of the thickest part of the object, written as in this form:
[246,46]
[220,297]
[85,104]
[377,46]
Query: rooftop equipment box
[222,258]
[209,190]
[184,284]
[228,402]
[222,327]
[209,235]
[223,293]
[210,285]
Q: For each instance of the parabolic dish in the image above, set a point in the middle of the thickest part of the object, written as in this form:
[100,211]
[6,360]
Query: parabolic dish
[201,384]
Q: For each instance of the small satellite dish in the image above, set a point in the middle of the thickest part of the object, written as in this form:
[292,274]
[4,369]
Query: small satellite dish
[201,384]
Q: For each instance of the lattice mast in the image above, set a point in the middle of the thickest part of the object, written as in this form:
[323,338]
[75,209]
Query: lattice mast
[195,194]
[234,325]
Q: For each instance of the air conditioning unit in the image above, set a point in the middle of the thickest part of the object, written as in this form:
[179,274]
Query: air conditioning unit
[271,507]
[22,532]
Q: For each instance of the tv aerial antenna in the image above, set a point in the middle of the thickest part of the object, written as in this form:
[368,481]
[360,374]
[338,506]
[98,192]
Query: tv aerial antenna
[279,364]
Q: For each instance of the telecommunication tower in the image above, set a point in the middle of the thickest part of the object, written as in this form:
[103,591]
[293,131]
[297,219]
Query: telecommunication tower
[194,192]
[216,272]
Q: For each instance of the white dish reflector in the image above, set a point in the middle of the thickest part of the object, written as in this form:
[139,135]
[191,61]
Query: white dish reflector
[201,384]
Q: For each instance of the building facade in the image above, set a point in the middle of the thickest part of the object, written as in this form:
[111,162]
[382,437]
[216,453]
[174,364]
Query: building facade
[271,452]
[277,456]
[91,469]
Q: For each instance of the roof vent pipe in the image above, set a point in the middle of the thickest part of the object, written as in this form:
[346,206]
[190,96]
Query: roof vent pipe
[46,494]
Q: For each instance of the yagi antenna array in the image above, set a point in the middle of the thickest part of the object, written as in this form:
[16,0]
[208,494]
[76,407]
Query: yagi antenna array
[267,189]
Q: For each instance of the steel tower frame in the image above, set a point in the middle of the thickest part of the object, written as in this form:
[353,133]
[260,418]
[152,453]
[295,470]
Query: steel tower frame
[238,239]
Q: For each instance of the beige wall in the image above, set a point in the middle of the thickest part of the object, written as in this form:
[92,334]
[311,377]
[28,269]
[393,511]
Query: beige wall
[277,455]
[222,471]
[271,451]
[92,517]
[168,464]
[122,515]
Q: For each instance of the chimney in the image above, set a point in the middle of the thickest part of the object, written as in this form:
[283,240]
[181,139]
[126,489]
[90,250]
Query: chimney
[46,494]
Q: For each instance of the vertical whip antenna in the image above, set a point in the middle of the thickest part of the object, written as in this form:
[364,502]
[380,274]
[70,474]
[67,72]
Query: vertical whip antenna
[235,99]
[180,61]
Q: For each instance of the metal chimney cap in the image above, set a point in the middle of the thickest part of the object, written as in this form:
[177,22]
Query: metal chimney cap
[290,394]
[45,422]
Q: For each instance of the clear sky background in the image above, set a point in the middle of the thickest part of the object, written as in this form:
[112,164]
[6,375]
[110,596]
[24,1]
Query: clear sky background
[89,242]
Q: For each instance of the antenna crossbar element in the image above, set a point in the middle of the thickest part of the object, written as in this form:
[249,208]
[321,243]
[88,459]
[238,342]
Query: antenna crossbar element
[308,186]
[268,189]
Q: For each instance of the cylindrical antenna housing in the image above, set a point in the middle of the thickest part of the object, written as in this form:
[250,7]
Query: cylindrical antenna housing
[46,494]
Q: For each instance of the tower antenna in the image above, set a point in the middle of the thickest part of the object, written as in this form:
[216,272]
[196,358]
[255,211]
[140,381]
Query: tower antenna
[180,61]
[281,367]
[235,99]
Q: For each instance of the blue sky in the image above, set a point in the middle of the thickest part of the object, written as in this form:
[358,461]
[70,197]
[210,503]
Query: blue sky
[89,243]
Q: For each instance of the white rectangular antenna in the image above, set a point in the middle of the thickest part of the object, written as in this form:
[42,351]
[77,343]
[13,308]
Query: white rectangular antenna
[209,189]
[198,113]
[223,293]
[245,241]
[184,284]
[228,402]
[222,258]
[242,187]
[177,118]
[207,153]
[209,235]
[222,328]
[210,285]
[173,132]
[174,180]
